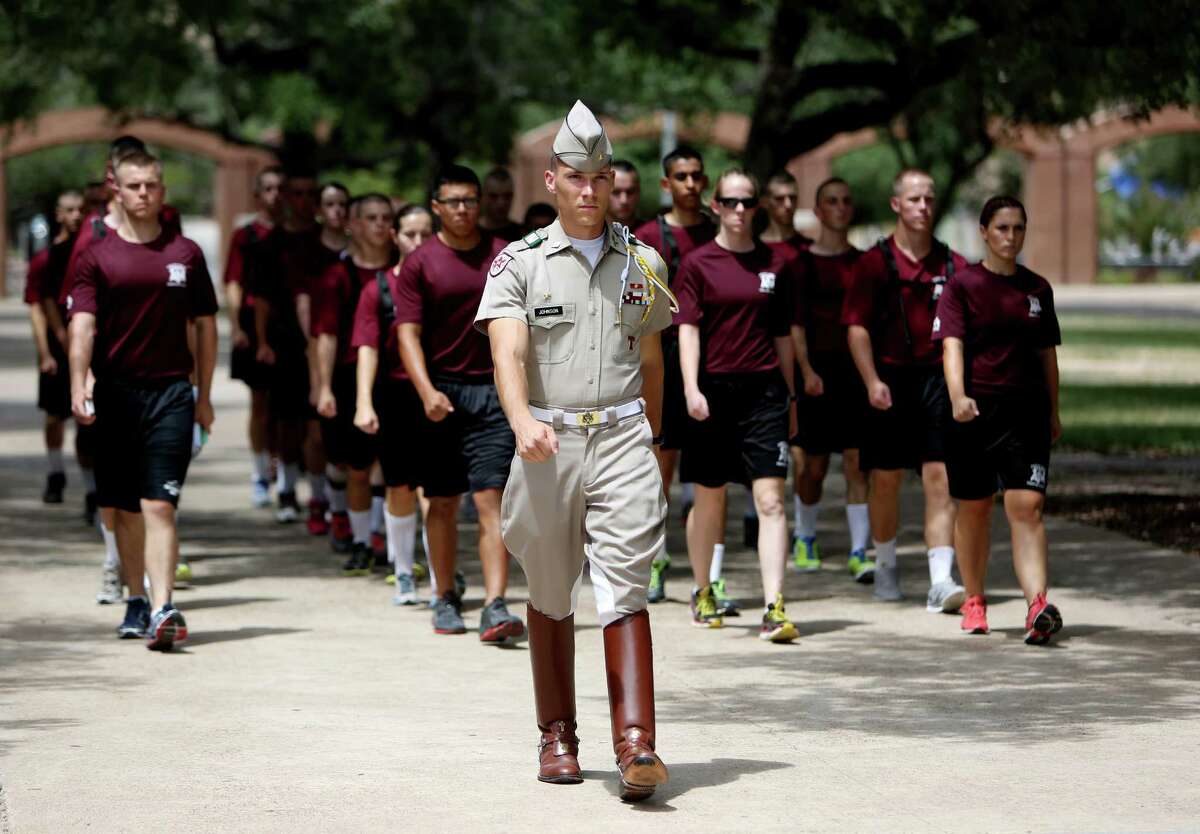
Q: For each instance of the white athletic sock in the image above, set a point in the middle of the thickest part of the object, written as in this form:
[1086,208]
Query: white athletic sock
[885,553]
[377,511]
[806,520]
[714,570]
[89,478]
[337,496]
[289,476]
[316,487]
[401,541]
[54,461]
[796,513]
[111,558]
[860,526]
[261,463]
[941,560]
[360,526]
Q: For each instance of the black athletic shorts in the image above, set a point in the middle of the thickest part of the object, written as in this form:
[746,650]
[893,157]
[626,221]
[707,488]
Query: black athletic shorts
[472,448]
[912,431]
[835,420]
[143,441]
[400,417]
[85,440]
[1006,447]
[288,388]
[242,364]
[674,407]
[746,434]
[345,443]
[54,390]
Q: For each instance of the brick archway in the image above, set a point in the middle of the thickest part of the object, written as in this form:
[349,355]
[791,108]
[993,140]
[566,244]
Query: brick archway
[236,164]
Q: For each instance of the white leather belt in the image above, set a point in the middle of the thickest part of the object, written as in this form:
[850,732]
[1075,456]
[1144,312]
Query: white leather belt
[600,418]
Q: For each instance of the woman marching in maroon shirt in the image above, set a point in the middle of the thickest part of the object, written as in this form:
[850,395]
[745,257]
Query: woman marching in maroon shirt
[997,324]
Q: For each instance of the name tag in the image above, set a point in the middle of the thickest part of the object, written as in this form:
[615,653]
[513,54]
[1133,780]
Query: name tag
[542,312]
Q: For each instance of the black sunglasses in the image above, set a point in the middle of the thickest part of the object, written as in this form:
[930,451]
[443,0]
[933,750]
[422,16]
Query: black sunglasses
[734,202]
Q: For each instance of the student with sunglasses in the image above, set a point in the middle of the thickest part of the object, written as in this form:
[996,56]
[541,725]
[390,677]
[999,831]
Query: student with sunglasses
[735,350]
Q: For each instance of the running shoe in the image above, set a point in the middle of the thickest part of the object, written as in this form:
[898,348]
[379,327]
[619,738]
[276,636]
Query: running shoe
[137,618]
[704,609]
[406,590]
[341,537]
[360,562]
[776,627]
[806,556]
[974,615]
[498,626]
[379,548]
[289,508]
[726,605]
[861,567]
[90,507]
[183,574]
[447,616]
[260,494]
[657,591]
[1042,622]
[111,588]
[887,584]
[56,482]
[945,597]
[167,627]
[420,571]
[317,524]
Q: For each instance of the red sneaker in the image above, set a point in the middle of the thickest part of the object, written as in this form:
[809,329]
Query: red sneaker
[317,525]
[341,537]
[1042,622]
[379,548]
[974,615]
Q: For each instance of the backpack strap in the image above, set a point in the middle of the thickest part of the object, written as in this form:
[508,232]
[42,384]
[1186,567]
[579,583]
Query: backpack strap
[668,239]
[99,230]
[387,305]
[889,258]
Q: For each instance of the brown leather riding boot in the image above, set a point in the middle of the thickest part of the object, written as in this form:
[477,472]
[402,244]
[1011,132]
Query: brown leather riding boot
[552,653]
[630,662]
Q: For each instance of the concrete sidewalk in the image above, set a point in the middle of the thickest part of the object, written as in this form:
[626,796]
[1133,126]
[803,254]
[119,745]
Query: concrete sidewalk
[305,702]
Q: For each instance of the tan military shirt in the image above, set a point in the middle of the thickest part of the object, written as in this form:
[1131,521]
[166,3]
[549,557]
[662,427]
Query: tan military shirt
[585,336]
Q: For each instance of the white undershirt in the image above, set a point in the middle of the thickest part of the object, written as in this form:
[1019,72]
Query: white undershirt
[590,249]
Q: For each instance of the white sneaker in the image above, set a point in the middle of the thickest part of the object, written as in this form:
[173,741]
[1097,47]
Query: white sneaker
[406,590]
[946,597]
[111,588]
[260,494]
[887,583]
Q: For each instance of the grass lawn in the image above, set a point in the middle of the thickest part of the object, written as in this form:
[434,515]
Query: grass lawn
[1130,384]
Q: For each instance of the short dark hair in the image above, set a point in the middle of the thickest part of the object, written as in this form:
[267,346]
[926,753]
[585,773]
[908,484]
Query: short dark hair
[123,146]
[681,153]
[361,200]
[337,186]
[626,167]
[781,178]
[455,175]
[826,184]
[995,204]
[909,172]
[735,172]
[539,209]
[407,211]
[139,159]
[70,192]
[276,170]
[498,173]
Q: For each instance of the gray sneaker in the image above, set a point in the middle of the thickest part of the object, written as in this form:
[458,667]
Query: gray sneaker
[946,597]
[887,584]
[499,626]
[111,588]
[406,590]
[447,617]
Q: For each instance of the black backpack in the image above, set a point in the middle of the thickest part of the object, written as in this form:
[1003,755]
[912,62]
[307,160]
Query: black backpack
[889,259]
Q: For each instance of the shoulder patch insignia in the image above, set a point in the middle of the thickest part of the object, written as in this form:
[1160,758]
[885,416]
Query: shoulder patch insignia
[502,260]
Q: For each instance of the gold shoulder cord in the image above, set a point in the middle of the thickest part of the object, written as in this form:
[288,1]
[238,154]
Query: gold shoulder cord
[655,281]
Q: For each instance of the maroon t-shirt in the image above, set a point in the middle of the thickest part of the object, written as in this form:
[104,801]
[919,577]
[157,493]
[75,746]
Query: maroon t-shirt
[874,302]
[1004,321]
[335,303]
[306,259]
[790,248]
[370,321]
[821,284]
[740,301]
[142,296]
[51,280]
[168,216]
[235,265]
[35,275]
[440,289]
[687,238]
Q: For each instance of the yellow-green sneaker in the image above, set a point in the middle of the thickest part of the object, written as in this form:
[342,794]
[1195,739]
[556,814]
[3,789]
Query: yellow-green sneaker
[657,591]
[776,627]
[726,605]
[806,556]
[860,567]
[704,609]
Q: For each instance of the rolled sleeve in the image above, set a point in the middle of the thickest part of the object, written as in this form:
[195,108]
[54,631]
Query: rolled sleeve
[84,294]
[688,293]
[366,318]
[410,300]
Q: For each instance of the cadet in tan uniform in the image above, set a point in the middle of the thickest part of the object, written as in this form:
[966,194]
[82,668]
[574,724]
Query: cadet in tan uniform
[574,313]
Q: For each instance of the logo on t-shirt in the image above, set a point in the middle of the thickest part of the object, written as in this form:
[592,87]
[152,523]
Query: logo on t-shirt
[176,275]
[766,282]
[1037,475]
[937,324]
[939,284]
[1035,306]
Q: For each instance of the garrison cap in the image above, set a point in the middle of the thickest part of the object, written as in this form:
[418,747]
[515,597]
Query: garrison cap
[581,142]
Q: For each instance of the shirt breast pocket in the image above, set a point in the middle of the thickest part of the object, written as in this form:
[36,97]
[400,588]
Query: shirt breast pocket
[552,331]
[628,346]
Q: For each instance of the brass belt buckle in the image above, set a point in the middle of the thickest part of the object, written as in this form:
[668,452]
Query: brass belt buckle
[588,418]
